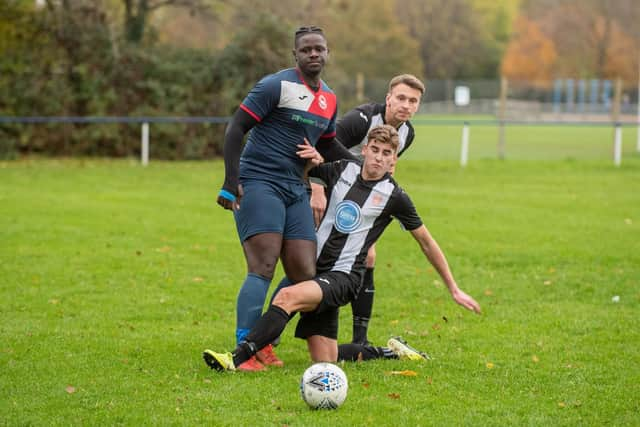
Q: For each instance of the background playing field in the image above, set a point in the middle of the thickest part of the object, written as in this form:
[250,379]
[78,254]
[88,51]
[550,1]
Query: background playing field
[114,278]
[442,136]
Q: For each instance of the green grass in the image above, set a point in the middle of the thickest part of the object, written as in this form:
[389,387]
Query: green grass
[114,277]
[532,142]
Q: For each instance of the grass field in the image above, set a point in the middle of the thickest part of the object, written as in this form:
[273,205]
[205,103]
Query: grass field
[114,278]
[441,140]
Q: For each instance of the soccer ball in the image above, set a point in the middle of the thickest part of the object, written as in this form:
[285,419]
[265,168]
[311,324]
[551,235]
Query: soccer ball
[324,386]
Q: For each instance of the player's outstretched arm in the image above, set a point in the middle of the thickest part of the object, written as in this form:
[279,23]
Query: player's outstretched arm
[436,257]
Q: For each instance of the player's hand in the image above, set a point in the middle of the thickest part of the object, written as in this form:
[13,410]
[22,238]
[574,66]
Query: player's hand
[230,201]
[318,202]
[466,301]
[309,152]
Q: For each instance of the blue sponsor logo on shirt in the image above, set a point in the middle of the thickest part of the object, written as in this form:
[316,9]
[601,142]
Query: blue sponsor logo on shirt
[348,216]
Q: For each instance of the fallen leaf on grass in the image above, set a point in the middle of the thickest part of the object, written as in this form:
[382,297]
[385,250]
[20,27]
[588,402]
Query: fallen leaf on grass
[164,249]
[429,380]
[70,389]
[488,292]
[405,373]
[394,395]
[547,282]
[54,301]
[366,385]
[561,404]
[535,359]
[489,365]
[198,279]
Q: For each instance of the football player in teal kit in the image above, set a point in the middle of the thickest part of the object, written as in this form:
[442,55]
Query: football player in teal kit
[291,116]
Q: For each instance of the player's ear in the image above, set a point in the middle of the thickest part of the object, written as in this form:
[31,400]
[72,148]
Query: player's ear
[386,100]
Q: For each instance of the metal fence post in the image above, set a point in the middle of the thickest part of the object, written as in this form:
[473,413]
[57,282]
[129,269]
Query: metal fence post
[464,151]
[617,145]
[504,87]
[144,150]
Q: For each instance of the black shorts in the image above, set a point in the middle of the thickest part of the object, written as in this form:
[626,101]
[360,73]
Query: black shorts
[338,289]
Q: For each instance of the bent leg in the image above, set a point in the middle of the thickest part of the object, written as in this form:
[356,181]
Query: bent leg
[303,296]
[322,349]
[359,352]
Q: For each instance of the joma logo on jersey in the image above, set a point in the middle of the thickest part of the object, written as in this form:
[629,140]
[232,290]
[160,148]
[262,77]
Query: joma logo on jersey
[348,216]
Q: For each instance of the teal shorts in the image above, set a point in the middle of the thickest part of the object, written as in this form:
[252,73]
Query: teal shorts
[267,207]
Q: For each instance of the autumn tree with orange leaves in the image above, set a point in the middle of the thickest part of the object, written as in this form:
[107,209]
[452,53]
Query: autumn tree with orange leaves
[530,55]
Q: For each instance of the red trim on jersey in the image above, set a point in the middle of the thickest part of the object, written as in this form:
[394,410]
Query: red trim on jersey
[305,83]
[324,104]
[329,100]
[251,113]
[329,135]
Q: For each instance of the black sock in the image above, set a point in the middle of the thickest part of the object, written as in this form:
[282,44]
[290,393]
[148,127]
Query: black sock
[354,352]
[268,327]
[361,308]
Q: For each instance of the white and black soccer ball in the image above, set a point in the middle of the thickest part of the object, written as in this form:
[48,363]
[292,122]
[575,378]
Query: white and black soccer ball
[324,386]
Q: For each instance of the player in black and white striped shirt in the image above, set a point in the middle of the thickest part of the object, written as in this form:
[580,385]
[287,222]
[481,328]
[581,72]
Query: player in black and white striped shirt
[363,199]
[401,103]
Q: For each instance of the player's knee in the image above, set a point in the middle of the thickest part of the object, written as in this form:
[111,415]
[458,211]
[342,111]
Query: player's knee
[304,272]
[286,298]
[264,266]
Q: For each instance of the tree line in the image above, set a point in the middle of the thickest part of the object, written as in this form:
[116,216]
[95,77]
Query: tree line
[199,57]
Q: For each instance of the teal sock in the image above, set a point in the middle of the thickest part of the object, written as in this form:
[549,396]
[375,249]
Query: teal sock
[250,303]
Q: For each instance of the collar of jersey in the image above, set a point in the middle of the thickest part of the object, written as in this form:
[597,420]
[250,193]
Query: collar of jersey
[305,83]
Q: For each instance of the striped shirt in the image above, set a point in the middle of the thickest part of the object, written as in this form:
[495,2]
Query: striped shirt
[357,213]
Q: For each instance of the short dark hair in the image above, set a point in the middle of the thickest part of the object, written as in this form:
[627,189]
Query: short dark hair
[384,134]
[302,31]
